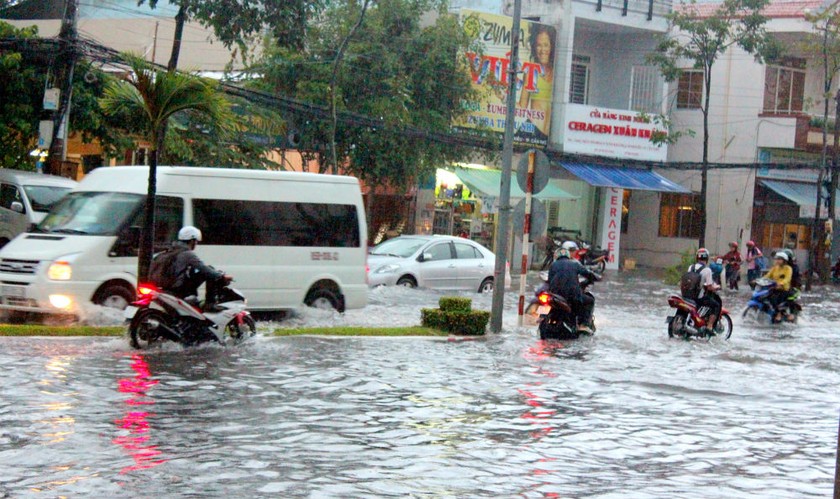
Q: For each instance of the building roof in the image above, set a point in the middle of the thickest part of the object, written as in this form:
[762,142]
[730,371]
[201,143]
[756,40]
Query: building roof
[778,9]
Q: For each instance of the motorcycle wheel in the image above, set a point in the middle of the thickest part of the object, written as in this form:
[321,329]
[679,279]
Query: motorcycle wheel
[144,329]
[242,331]
[723,328]
[601,266]
[751,314]
[675,327]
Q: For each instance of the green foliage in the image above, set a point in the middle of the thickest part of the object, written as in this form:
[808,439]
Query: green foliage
[240,24]
[148,97]
[37,330]
[473,323]
[395,68]
[674,273]
[358,331]
[455,304]
[22,88]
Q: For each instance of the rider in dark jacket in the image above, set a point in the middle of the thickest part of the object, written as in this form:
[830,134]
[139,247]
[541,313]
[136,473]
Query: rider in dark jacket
[563,280]
[184,271]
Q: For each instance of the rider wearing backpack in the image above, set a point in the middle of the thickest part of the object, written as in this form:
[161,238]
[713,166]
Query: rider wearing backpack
[698,284]
[180,271]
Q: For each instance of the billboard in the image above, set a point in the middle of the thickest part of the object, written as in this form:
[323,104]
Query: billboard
[488,67]
[598,131]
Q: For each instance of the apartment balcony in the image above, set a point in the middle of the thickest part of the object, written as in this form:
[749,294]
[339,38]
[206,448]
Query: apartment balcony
[801,132]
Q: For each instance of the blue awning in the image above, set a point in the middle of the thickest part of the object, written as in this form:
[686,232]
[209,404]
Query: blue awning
[801,193]
[623,178]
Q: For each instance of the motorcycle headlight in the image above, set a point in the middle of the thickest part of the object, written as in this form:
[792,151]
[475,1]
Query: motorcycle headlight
[387,269]
[60,270]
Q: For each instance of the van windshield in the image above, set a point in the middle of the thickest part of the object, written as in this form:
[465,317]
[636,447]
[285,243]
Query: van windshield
[94,213]
[43,197]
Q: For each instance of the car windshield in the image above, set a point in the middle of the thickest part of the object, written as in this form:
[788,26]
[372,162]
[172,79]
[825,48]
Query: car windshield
[94,213]
[43,197]
[402,247]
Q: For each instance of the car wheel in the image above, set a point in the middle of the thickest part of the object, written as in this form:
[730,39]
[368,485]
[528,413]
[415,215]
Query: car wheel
[116,296]
[486,286]
[407,281]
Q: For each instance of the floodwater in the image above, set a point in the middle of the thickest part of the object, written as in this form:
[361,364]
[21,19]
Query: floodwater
[627,413]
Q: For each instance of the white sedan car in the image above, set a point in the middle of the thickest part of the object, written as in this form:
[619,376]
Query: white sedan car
[441,262]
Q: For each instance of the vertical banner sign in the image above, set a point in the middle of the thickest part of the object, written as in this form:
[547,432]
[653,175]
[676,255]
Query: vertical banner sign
[488,70]
[611,228]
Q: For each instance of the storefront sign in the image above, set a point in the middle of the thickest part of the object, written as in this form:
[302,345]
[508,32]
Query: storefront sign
[488,70]
[613,133]
[611,228]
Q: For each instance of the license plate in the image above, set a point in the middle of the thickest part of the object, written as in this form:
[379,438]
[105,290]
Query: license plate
[16,291]
[669,319]
[543,310]
[130,312]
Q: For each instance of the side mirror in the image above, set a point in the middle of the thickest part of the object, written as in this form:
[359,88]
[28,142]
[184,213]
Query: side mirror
[17,206]
[425,257]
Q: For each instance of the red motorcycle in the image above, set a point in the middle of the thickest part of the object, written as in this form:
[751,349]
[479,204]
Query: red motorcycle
[690,321]
[593,259]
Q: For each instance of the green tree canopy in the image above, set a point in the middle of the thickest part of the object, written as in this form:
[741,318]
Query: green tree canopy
[395,68]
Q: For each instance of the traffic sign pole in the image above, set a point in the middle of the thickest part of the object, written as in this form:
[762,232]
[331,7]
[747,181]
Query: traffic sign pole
[526,231]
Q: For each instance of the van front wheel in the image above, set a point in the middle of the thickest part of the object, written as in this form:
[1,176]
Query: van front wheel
[114,296]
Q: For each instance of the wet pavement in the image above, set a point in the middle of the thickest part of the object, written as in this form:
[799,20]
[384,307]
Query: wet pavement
[627,413]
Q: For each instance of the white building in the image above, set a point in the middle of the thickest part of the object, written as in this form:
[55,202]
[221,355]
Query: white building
[759,113]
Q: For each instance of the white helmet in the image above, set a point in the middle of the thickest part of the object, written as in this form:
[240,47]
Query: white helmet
[189,233]
[570,246]
[782,256]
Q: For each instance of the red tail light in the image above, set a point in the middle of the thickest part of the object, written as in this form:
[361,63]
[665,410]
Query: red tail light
[146,289]
[544,298]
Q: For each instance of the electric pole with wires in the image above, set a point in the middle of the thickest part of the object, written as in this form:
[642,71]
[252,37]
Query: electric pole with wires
[68,36]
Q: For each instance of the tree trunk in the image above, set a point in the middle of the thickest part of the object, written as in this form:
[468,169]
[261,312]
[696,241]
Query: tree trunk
[704,175]
[147,235]
[180,20]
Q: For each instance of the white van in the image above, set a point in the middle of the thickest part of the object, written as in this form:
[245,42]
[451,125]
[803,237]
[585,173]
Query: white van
[25,199]
[287,238]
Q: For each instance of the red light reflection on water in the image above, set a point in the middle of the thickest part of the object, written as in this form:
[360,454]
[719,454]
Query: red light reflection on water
[135,421]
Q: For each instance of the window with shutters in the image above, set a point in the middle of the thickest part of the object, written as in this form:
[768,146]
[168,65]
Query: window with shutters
[784,86]
[646,89]
[690,89]
[579,81]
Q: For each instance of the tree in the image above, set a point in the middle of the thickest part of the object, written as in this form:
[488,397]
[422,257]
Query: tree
[152,97]
[395,69]
[24,70]
[242,23]
[699,40]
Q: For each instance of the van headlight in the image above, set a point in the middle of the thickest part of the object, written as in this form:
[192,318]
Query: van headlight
[387,269]
[60,270]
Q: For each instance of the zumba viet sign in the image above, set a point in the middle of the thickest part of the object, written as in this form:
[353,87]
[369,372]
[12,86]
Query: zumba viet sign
[489,68]
[614,133]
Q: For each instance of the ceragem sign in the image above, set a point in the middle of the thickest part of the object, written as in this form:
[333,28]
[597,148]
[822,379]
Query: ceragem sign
[599,131]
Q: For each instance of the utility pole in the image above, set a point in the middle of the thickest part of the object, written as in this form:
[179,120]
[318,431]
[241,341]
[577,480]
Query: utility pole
[835,183]
[69,38]
[503,228]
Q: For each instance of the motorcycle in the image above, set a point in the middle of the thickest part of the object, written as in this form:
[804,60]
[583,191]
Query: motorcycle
[158,316]
[557,318]
[760,303]
[689,320]
[593,259]
[532,309]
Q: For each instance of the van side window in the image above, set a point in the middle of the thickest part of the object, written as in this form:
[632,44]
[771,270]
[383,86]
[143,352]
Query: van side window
[266,223]
[8,195]
[169,218]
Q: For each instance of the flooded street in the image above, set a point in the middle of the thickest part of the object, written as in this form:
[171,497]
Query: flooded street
[627,413]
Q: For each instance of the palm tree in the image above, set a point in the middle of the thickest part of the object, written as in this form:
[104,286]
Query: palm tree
[148,97]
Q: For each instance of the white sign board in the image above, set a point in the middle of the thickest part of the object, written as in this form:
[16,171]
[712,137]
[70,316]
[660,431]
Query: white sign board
[614,133]
[51,96]
[611,228]
[45,133]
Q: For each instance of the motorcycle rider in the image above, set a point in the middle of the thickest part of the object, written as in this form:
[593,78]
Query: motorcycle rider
[708,289]
[733,265]
[180,271]
[563,280]
[782,273]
